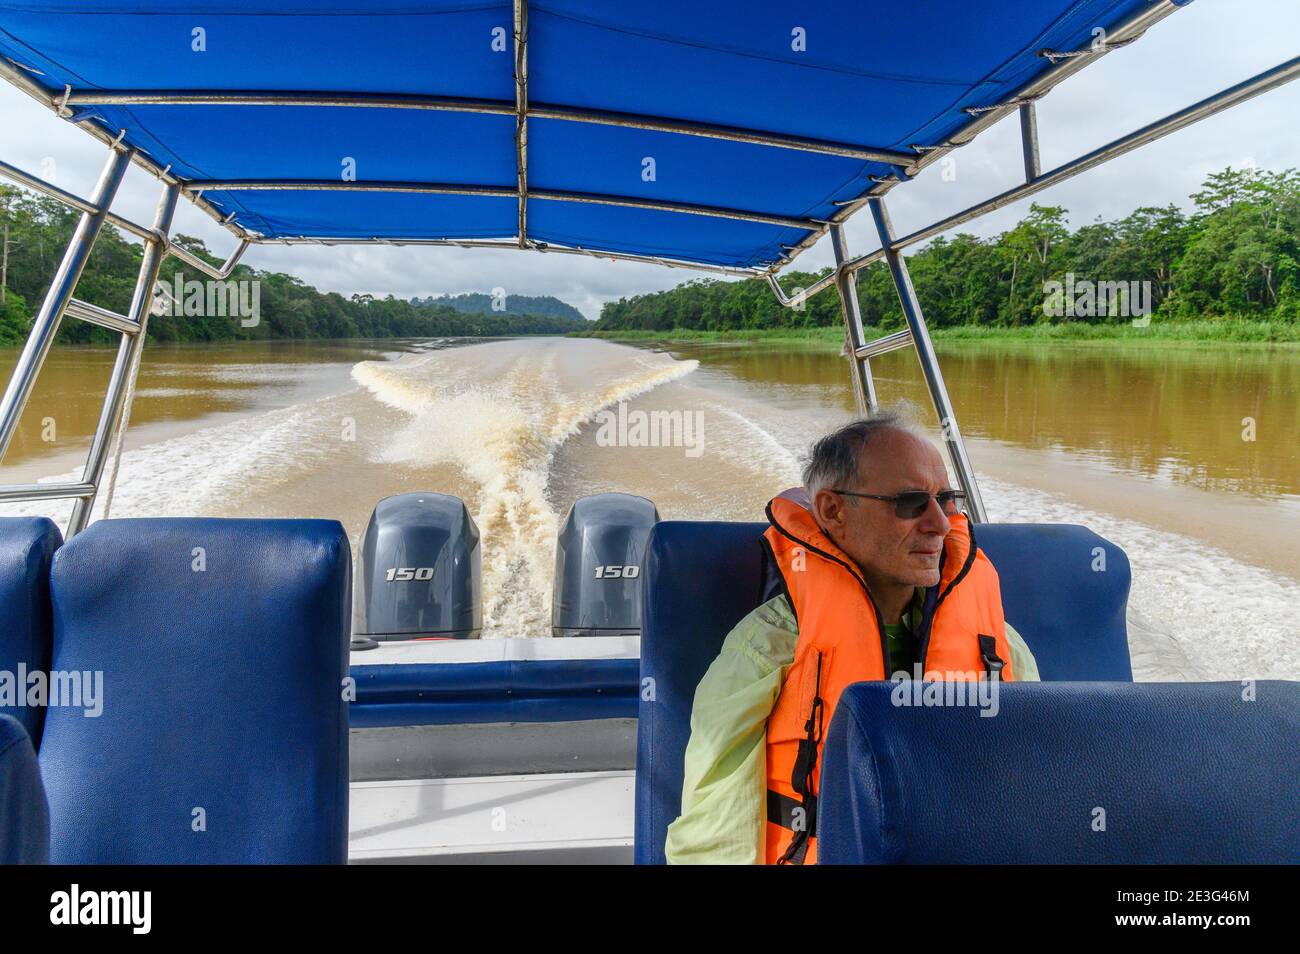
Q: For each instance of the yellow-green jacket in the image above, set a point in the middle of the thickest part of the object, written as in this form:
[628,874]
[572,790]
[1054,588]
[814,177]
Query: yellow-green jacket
[724,790]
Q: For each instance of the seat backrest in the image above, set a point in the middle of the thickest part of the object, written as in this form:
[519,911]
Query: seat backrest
[1065,773]
[24,816]
[700,579]
[222,646]
[27,546]
[1065,590]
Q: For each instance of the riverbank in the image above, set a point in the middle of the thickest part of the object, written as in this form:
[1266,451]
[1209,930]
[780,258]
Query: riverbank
[1209,332]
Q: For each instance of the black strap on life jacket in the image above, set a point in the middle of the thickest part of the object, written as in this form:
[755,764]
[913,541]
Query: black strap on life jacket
[801,779]
[789,812]
[992,661]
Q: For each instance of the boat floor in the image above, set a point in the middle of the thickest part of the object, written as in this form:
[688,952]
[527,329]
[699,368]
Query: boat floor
[564,818]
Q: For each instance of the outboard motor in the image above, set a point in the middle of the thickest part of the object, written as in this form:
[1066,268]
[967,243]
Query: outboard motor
[598,566]
[419,574]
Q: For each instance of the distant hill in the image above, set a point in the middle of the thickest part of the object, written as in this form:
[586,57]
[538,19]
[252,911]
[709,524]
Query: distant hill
[478,303]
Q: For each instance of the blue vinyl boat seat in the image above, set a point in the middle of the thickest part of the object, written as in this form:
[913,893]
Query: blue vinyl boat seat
[221,735]
[1064,588]
[24,815]
[1066,773]
[27,546]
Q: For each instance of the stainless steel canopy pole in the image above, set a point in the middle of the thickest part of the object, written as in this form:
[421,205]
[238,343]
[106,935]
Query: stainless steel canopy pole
[521,117]
[846,283]
[196,186]
[1243,91]
[1029,141]
[128,357]
[484,106]
[46,325]
[952,438]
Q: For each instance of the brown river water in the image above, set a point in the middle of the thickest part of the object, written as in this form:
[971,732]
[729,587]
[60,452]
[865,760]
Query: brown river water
[1185,456]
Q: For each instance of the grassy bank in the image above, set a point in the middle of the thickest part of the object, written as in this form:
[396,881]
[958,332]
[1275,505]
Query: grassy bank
[1226,331]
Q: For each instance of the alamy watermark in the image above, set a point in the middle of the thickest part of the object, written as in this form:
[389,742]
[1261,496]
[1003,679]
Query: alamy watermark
[35,688]
[970,689]
[1084,298]
[240,299]
[636,428]
[75,906]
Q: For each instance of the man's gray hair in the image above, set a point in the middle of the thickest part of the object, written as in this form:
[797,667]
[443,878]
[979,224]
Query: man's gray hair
[833,461]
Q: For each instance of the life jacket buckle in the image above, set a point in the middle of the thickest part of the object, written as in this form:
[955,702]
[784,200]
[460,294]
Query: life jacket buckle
[992,661]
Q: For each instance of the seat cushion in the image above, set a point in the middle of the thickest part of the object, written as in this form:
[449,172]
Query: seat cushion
[1065,773]
[27,546]
[222,646]
[24,816]
[1065,590]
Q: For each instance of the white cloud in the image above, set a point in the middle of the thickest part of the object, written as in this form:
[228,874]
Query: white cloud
[1207,46]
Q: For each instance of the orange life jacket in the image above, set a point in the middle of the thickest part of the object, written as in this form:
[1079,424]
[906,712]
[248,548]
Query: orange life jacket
[842,640]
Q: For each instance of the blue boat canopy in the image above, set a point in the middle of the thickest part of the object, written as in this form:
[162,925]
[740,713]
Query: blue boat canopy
[725,134]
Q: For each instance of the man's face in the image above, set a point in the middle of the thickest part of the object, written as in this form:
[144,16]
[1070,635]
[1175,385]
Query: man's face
[885,546]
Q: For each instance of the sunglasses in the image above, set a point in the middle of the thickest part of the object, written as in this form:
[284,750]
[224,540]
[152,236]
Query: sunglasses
[913,503]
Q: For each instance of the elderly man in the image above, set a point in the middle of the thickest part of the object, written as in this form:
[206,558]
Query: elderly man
[875,572]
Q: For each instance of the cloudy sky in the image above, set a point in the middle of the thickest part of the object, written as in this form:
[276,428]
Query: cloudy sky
[1196,52]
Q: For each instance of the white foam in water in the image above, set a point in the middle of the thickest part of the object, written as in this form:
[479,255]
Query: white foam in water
[204,473]
[1195,612]
[503,432]
[761,449]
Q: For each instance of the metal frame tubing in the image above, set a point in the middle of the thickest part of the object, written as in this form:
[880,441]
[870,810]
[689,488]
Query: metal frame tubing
[128,357]
[64,283]
[1247,89]
[572,114]
[929,364]
[220,274]
[21,79]
[37,184]
[501,192]
[820,285]
[512,245]
[1061,70]
[521,116]
[846,283]
[1029,141]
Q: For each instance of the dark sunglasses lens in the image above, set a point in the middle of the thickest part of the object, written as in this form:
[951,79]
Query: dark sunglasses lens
[910,506]
[951,501]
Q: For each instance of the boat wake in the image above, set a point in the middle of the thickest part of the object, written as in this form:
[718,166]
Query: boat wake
[498,415]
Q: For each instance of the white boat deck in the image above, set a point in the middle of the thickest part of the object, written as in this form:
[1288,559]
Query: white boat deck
[574,817]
